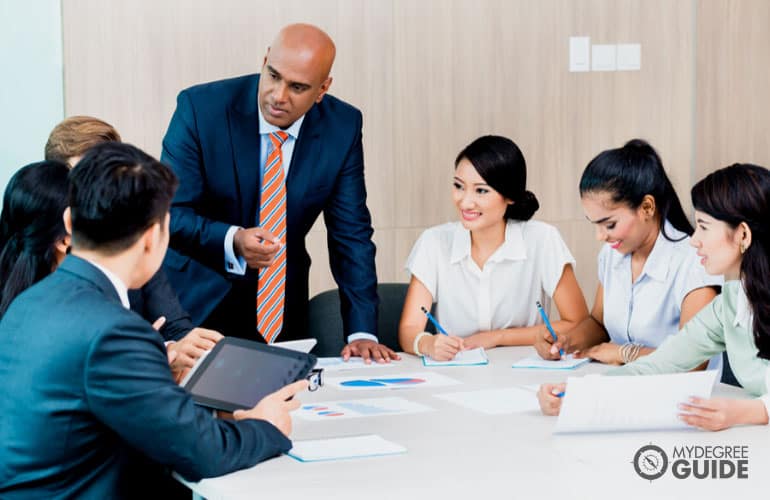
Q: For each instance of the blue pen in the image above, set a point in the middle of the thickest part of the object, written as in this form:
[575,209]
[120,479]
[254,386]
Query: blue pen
[560,395]
[548,324]
[433,320]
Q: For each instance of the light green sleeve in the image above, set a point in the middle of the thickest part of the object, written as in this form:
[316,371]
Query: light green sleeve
[701,338]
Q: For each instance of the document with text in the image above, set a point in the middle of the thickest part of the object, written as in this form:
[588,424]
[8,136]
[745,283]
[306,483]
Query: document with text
[630,403]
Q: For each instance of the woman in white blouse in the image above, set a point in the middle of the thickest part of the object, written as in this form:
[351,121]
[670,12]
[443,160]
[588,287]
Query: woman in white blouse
[487,271]
[650,280]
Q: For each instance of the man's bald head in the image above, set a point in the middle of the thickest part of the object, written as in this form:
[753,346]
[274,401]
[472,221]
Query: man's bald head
[308,42]
[295,73]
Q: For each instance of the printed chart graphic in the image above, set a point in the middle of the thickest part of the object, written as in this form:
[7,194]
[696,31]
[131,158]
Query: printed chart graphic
[374,407]
[336,364]
[391,381]
[382,382]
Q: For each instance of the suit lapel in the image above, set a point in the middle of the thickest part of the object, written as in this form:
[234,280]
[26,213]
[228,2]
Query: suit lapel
[243,121]
[306,158]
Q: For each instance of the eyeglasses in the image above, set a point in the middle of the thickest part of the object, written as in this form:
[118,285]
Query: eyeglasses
[315,378]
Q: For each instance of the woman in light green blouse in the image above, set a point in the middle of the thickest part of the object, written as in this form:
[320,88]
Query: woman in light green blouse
[732,235]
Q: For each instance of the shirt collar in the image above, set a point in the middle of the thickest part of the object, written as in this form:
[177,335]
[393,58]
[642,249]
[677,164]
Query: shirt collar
[743,315]
[659,260]
[267,128]
[513,247]
[120,287]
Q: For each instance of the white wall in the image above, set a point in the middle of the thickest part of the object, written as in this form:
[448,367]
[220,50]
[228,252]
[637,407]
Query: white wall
[31,85]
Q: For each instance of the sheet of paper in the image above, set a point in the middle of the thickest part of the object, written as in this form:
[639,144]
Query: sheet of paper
[371,445]
[358,408]
[643,402]
[301,345]
[494,401]
[391,381]
[567,362]
[338,365]
[463,358]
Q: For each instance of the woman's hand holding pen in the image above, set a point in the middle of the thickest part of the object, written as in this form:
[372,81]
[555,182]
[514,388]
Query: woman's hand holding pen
[548,349]
[442,347]
[550,397]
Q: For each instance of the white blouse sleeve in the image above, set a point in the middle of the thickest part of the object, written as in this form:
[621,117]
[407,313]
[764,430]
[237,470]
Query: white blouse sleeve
[422,262]
[554,256]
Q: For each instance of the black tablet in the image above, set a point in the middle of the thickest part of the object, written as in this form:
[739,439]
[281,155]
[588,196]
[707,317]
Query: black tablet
[238,373]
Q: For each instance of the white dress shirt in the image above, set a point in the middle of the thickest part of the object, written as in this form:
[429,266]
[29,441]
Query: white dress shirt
[648,310]
[237,265]
[117,283]
[526,268]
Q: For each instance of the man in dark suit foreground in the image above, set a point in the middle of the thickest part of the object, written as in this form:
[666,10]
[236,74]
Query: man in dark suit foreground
[259,157]
[90,409]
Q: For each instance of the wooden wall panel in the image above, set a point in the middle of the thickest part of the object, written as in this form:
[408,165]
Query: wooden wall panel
[733,96]
[430,76]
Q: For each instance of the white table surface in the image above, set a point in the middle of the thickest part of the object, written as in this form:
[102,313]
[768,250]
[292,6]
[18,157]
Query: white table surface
[455,452]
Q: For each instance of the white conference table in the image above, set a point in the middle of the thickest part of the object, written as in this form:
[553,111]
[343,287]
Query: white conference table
[455,452]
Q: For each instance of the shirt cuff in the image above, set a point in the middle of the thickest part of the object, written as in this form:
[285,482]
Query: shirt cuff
[766,399]
[362,336]
[233,264]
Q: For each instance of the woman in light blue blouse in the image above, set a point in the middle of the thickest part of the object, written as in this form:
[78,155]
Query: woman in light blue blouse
[650,280]
[732,213]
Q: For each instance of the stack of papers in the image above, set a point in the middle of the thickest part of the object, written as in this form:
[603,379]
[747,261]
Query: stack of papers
[317,450]
[567,362]
[633,403]
[463,358]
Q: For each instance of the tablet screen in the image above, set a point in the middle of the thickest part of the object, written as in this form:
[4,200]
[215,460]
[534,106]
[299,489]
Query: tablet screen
[242,376]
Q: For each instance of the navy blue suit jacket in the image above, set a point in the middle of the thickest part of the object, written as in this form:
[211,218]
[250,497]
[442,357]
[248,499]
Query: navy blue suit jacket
[157,298]
[88,399]
[212,144]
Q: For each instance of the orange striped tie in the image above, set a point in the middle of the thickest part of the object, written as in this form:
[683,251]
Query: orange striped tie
[272,216]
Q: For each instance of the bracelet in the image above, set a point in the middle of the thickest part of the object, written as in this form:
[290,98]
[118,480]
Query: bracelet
[416,344]
[629,352]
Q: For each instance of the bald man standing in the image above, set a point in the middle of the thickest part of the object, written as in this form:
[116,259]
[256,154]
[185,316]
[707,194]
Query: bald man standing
[259,157]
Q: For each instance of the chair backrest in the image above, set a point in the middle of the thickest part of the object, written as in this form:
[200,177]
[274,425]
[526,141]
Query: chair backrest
[728,377]
[325,321]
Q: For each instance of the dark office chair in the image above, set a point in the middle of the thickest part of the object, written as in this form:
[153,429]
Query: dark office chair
[325,321]
[727,372]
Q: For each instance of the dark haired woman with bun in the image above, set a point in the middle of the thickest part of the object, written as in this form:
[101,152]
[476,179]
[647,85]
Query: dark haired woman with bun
[486,272]
[650,280]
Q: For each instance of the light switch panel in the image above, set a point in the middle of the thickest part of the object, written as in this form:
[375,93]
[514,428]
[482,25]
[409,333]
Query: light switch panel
[629,57]
[579,53]
[603,57]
